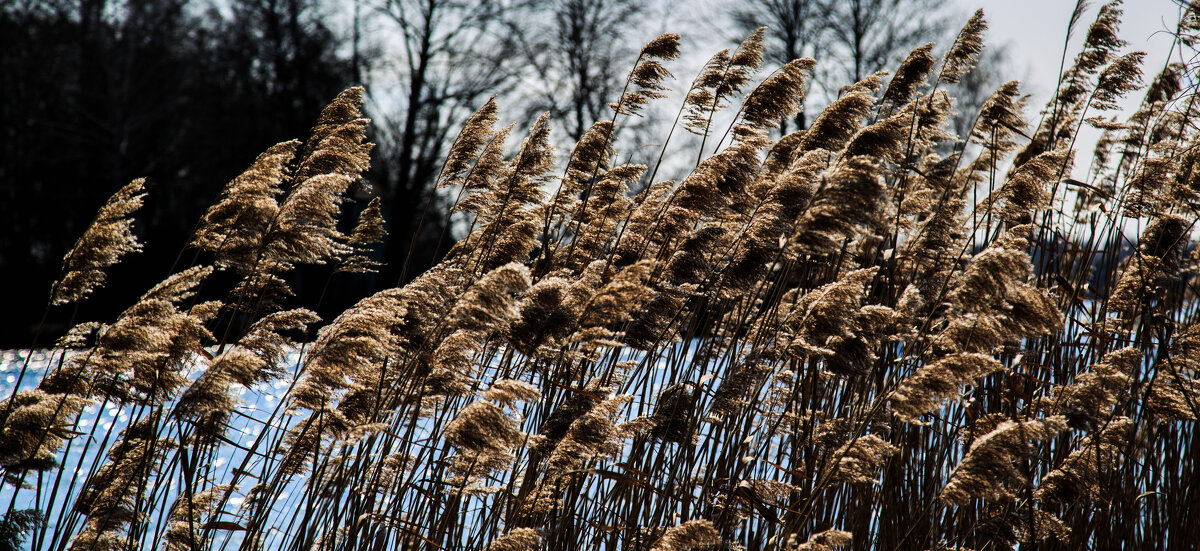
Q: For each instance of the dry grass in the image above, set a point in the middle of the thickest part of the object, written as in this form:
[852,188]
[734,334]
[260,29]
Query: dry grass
[867,334]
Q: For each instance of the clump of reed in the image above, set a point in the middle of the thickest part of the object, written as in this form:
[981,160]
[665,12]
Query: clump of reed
[867,333]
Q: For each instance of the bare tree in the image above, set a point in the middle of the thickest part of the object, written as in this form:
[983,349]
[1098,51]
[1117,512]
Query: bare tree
[452,55]
[577,54]
[871,35]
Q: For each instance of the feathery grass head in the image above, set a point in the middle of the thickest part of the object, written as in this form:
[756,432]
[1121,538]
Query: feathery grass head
[475,134]
[991,468]
[910,76]
[107,239]
[962,55]
[688,536]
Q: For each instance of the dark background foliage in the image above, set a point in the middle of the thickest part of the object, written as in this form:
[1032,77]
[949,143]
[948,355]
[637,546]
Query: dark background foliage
[95,95]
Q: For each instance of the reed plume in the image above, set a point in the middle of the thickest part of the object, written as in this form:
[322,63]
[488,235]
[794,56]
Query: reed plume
[108,238]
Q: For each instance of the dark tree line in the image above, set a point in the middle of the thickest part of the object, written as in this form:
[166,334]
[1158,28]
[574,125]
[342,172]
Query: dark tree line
[98,92]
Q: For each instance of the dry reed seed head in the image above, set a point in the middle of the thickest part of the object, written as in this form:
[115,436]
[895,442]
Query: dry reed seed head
[658,321]
[859,460]
[1186,184]
[1151,182]
[589,159]
[750,52]
[932,384]
[268,340]
[620,297]
[853,202]
[780,157]
[425,300]
[211,396]
[1138,285]
[1037,525]
[488,306]
[544,316]
[593,435]
[638,236]
[693,260]
[109,497]
[91,539]
[841,119]
[509,240]
[990,302]
[747,59]
[1088,402]
[693,535]
[1119,78]
[190,515]
[488,170]
[664,46]
[33,426]
[345,108]
[1000,117]
[649,75]
[991,469]
[482,430]
[738,387]
[592,152]
[370,230]
[1166,86]
[825,313]
[963,54]
[521,184]
[631,103]
[517,539]
[1078,477]
[674,415]
[507,392]
[1101,39]
[779,96]
[491,303]
[1025,191]
[712,75]
[1174,392]
[781,204]
[140,356]
[342,151]
[360,339]
[1006,524]
[702,99]
[306,229]
[596,218]
[1166,237]
[1098,48]
[234,228]
[370,227]
[107,239]
[910,76]
[886,139]
[81,335]
[475,134]
[829,540]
